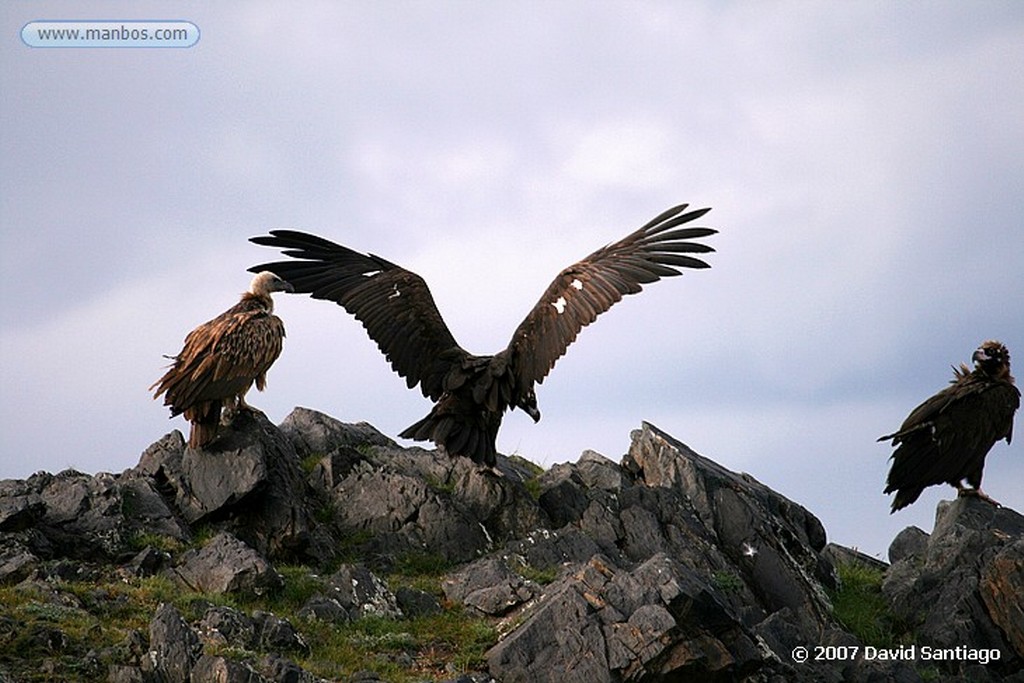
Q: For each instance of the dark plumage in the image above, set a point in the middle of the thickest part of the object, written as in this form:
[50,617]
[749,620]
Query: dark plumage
[222,358]
[471,393]
[946,438]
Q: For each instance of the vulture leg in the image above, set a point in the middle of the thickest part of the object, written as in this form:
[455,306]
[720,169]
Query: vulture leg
[963,491]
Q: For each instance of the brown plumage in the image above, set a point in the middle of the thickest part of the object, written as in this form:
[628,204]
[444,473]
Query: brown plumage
[471,393]
[222,358]
[946,438]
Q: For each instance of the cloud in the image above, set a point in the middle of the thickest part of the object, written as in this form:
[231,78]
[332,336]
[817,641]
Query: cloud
[862,162]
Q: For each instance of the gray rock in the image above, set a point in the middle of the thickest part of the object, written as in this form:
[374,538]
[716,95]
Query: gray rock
[1002,587]
[415,501]
[324,608]
[603,623]
[359,592]
[488,586]
[225,670]
[20,505]
[174,648]
[276,634]
[222,626]
[248,483]
[147,562]
[17,563]
[312,432]
[599,472]
[912,541]
[226,565]
[415,603]
[962,589]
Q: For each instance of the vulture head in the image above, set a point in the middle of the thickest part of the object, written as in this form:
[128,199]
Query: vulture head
[993,359]
[528,404]
[266,282]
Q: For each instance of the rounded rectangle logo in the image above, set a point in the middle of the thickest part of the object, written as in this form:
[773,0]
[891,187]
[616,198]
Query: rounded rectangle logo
[110,33]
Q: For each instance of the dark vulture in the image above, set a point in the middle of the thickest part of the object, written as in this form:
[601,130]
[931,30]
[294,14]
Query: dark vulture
[946,438]
[471,393]
[222,358]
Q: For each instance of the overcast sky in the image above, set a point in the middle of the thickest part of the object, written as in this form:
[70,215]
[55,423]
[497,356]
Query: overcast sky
[863,161]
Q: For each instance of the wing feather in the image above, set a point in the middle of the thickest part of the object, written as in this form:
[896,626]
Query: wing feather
[584,290]
[394,305]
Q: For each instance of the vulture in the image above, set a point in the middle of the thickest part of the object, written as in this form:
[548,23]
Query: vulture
[222,358]
[946,438]
[471,393]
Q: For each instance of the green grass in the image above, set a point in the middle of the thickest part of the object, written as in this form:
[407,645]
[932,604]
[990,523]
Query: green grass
[48,629]
[861,608]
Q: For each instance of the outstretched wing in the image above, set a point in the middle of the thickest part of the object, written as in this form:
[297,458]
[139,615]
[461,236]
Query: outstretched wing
[393,304]
[587,289]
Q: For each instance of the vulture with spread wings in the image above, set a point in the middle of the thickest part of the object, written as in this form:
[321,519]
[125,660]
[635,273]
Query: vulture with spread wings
[222,358]
[946,438]
[472,393]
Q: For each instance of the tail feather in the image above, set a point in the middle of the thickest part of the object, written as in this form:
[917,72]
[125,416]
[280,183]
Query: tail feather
[904,497]
[205,421]
[456,435]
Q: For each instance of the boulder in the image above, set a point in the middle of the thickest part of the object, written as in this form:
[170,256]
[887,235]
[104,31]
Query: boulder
[489,586]
[248,482]
[411,501]
[174,648]
[961,585]
[226,565]
[20,505]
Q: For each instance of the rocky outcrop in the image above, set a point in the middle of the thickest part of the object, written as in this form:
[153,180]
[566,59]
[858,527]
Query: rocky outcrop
[665,566]
[962,586]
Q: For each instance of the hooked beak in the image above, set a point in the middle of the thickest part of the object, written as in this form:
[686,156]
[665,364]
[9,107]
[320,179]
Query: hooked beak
[534,413]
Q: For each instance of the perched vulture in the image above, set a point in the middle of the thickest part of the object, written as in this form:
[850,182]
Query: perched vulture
[946,438]
[471,393]
[222,358]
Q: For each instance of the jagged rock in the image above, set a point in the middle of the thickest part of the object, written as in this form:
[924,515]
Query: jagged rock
[20,505]
[17,562]
[606,624]
[222,625]
[225,670]
[248,483]
[353,592]
[174,648]
[911,541]
[415,603]
[226,565]
[412,501]
[312,432]
[324,608]
[86,517]
[1002,588]
[147,562]
[275,634]
[962,587]
[488,586]
[262,631]
[682,569]
[666,567]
